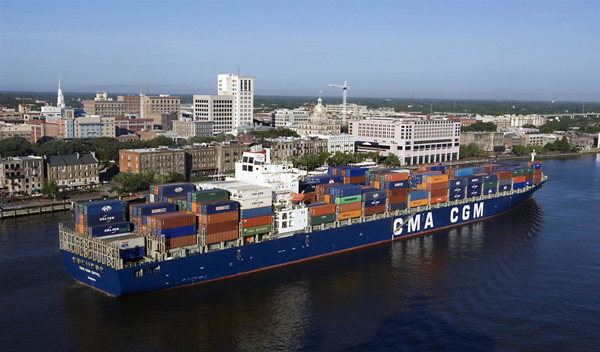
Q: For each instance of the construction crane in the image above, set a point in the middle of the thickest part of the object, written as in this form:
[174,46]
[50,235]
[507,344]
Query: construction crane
[345,93]
[407,102]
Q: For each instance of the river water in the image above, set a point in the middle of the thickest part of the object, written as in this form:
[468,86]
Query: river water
[528,280]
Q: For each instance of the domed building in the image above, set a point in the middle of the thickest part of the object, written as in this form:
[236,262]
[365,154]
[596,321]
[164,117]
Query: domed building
[319,122]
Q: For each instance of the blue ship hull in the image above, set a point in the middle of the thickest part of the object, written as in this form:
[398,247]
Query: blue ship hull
[224,263]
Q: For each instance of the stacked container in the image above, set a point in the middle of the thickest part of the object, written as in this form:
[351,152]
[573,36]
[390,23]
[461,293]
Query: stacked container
[100,218]
[474,185]
[437,186]
[321,191]
[504,180]
[256,208]
[348,200]
[457,189]
[490,184]
[321,213]
[179,229]
[354,176]
[537,171]
[418,198]
[194,199]
[138,213]
[162,193]
[219,221]
[374,201]
[131,246]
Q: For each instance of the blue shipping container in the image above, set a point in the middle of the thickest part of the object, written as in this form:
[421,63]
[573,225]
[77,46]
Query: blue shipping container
[474,186]
[356,172]
[176,231]
[106,218]
[102,206]
[419,194]
[529,182]
[132,253]
[456,196]
[373,195]
[456,190]
[474,193]
[397,206]
[256,212]
[440,168]
[219,207]
[321,179]
[345,190]
[490,178]
[108,229]
[503,188]
[139,210]
[490,190]
[456,183]
[478,170]
[394,185]
[374,202]
[518,185]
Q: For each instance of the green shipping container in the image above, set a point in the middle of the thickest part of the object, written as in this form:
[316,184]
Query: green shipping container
[209,195]
[322,219]
[517,172]
[251,231]
[527,171]
[490,184]
[348,200]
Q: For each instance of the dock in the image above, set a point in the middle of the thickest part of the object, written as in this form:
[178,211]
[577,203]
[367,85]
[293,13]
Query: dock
[13,211]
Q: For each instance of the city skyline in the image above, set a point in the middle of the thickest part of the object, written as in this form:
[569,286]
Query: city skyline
[536,50]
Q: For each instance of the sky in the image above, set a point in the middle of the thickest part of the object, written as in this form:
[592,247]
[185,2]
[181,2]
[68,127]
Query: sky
[439,49]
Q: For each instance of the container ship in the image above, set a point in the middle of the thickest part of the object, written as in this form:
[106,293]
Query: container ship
[271,215]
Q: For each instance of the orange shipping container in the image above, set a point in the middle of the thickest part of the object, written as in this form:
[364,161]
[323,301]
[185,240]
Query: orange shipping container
[519,179]
[528,177]
[343,208]
[537,172]
[397,199]
[418,202]
[349,215]
[222,236]
[219,217]
[396,192]
[170,220]
[438,199]
[321,209]
[257,221]
[309,197]
[437,179]
[354,180]
[396,176]
[327,198]
[375,210]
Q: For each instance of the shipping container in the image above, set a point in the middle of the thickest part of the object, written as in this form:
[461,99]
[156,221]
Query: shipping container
[374,210]
[102,218]
[345,190]
[250,192]
[321,209]
[439,193]
[100,207]
[456,195]
[436,186]
[397,206]
[491,190]
[503,188]
[219,217]
[490,184]
[343,208]
[374,203]
[251,231]
[435,178]
[519,185]
[518,179]
[322,219]
[461,172]
[322,188]
[221,206]
[505,181]
[173,189]
[359,171]
[416,195]
[474,186]
[222,237]
[371,195]
[393,185]
[254,212]
[139,210]
[350,215]
[220,227]
[490,178]
[456,183]
[132,253]
[356,180]
[208,195]
[176,242]
[473,192]
[419,202]
[176,231]
[170,220]
[441,199]
[108,229]
[346,200]
[321,179]
[258,221]
[256,203]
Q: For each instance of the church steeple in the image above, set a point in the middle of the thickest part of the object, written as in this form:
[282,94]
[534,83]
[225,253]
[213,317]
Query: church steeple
[60,101]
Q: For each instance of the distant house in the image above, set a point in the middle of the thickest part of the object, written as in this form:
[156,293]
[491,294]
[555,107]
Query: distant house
[73,171]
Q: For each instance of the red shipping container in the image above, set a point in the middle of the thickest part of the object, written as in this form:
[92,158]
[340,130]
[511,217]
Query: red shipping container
[322,209]
[537,179]
[170,220]
[397,199]
[257,221]
[439,193]
[396,192]
[342,208]
[503,175]
[437,186]
[320,189]
[374,210]
[222,236]
[220,227]
[354,180]
[537,172]
[528,177]
[180,241]
[219,217]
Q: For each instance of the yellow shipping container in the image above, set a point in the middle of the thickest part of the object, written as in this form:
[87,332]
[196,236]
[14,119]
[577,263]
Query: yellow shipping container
[418,202]
[350,214]
[437,178]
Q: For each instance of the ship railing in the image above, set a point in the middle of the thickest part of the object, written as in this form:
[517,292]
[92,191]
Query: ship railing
[89,247]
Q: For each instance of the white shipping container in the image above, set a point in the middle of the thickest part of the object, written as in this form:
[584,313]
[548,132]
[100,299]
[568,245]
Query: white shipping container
[291,220]
[256,203]
[126,240]
[250,192]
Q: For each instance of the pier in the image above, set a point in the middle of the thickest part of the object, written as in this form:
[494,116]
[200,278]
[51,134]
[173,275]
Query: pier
[28,209]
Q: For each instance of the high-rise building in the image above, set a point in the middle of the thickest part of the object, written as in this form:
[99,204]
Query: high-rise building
[242,90]
[132,104]
[20,175]
[218,109]
[152,107]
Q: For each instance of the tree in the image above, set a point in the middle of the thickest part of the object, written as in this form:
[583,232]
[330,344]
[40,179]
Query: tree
[480,127]
[471,150]
[15,146]
[48,187]
[545,129]
[392,160]
[519,150]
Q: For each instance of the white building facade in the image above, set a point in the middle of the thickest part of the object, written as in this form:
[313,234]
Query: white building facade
[242,90]
[288,118]
[218,109]
[342,143]
[413,140]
